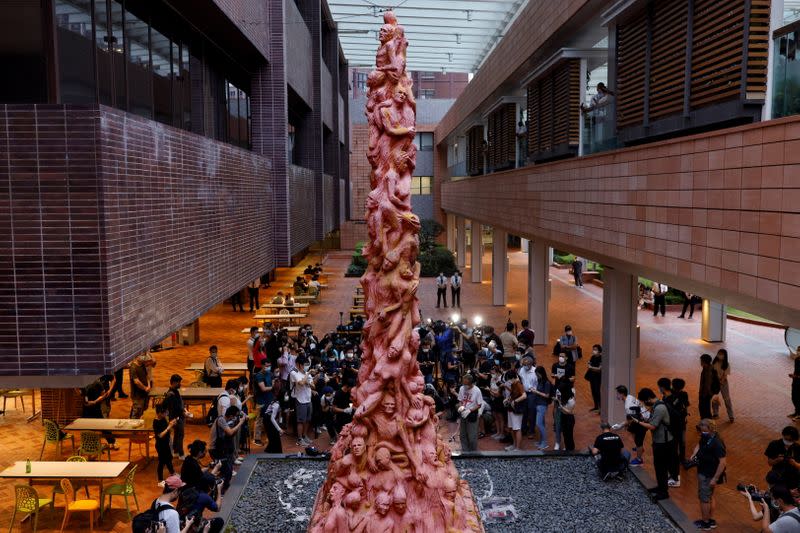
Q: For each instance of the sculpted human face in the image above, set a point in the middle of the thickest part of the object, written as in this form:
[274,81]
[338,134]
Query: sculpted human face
[358,447]
[388,405]
[382,506]
[400,95]
[385,33]
[382,458]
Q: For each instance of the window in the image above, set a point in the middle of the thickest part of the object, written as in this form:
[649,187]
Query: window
[786,76]
[140,88]
[420,185]
[75,57]
[427,94]
[361,81]
[428,76]
[424,141]
[791,11]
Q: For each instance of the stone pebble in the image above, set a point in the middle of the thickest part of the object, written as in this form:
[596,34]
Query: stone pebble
[548,495]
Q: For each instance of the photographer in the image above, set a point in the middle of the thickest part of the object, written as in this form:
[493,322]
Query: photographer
[222,436]
[633,412]
[426,361]
[664,451]
[789,519]
[470,400]
[192,472]
[710,456]
[170,516]
[610,453]
[195,500]
[783,457]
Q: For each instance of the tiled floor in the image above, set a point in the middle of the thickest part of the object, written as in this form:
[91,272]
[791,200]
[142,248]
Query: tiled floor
[669,347]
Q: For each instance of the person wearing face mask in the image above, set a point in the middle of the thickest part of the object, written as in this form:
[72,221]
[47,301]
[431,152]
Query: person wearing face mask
[544,396]
[594,376]
[301,392]
[783,457]
[789,519]
[710,454]
[569,343]
[350,366]
[527,376]
[563,371]
[664,453]
[426,362]
[470,400]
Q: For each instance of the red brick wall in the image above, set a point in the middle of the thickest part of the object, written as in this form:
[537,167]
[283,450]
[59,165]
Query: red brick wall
[717,213]
[118,230]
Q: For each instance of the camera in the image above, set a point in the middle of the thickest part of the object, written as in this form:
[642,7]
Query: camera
[755,494]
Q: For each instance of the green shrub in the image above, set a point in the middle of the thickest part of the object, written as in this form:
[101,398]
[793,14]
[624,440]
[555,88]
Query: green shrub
[438,259]
[563,259]
[355,271]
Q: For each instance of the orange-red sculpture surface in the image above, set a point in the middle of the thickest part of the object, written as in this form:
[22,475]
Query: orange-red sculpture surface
[389,470]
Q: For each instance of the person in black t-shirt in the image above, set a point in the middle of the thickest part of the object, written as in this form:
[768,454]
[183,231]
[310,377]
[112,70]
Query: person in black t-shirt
[563,372]
[795,376]
[93,397]
[161,429]
[176,410]
[783,456]
[342,406]
[610,453]
[426,361]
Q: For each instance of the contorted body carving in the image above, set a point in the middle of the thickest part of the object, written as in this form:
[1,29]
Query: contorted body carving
[389,470]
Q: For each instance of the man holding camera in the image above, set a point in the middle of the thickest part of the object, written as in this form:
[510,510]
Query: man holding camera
[470,400]
[789,519]
[710,457]
[610,453]
[783,457]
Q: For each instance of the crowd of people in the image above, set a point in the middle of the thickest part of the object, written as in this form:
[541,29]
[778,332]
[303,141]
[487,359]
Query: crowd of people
[492,385]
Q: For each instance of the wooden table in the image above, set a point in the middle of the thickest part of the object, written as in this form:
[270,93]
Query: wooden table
[308,297]
[288,317]
[228,367]
[357,311]
[290,329]
[112,425]
[57,470]
[298,305]
[191,393]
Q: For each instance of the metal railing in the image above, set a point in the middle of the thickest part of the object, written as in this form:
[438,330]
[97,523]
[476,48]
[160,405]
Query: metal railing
[599,129]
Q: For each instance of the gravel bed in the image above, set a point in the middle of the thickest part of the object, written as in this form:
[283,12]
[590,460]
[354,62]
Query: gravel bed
[516,495]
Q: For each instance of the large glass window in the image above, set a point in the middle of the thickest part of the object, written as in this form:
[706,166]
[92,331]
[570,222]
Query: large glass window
[22,53]
[140,92]
[791,11]
[786,76]
[160,54]
[75,54]
[424,141]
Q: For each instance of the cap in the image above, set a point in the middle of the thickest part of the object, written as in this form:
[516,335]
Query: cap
[327,389]
[707,423]
[175,377]
[174,482]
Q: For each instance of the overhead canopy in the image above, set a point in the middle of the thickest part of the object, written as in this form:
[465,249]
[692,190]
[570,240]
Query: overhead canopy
[449,35]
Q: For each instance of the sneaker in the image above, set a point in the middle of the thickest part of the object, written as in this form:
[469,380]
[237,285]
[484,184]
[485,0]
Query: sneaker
[497,436]
[557,447]
[238,462]
[161,484]
[300,443]
[234,472]
[712,524]
[240,458]
[674,483]
[543,447]
[699,524]
[636,462]
[511,448]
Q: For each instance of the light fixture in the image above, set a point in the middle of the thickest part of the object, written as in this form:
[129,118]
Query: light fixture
[458,38]
[455,317]
[450,57]
[469,15]
[444,70]
[477,320]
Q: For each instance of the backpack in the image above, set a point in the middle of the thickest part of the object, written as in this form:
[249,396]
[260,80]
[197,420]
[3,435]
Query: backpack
[148,522]
[212,413]
[677,410]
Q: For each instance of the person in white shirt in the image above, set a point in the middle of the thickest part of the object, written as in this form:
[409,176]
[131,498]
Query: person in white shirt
[301,386]
[252,292]
[251,344]
[527,375]
[169,516]
[634,410]
[441,290]
[659,298]
[455,290]
[470,401]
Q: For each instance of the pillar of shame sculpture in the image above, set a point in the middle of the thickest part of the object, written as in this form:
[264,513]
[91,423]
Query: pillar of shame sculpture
[389,470]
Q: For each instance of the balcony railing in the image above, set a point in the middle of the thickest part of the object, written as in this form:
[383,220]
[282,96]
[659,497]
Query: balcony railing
[599,129]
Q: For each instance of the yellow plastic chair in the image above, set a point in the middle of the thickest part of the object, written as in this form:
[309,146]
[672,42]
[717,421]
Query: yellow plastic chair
[77,506]
[143,437]
[28,502]
[77,486]
[52,435]
[91,446]
[120,489]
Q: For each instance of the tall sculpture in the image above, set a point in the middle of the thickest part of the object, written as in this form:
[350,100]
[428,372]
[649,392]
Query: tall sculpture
[389,470]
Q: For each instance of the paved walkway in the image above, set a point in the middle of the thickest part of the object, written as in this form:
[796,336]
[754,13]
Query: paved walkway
[669,347]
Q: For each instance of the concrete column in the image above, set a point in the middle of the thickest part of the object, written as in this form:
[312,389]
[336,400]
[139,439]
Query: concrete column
[620,340]
[450,232]
[477,252]
[461,242]
[499,266]
[538,289]
[715,317]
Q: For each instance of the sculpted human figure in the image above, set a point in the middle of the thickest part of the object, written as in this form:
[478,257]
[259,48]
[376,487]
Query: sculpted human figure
[389,471]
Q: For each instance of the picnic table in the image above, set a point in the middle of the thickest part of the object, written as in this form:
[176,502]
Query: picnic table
[227,366]
[290,329]
[297,305]
[286,317]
